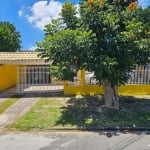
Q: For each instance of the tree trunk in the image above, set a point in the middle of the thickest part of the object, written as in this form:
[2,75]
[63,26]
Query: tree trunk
[110,95]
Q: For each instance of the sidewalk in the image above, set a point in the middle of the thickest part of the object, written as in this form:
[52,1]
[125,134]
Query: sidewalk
[17,110]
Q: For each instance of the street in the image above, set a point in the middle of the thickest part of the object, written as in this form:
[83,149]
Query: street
[74,141]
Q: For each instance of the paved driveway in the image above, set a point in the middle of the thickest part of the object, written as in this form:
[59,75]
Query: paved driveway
[74,141]
[15,111]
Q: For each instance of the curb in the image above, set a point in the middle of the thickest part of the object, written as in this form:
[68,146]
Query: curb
[100,129]
[107,130]
[119,129]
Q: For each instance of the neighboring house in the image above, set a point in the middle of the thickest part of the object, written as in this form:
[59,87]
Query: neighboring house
[25,70]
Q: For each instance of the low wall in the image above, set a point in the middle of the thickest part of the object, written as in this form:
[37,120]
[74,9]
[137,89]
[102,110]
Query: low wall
[138,89]
[8,76]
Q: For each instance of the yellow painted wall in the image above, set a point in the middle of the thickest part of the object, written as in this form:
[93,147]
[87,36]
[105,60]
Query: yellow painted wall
[8,76]
[136,89]
[141,89]
[83,89]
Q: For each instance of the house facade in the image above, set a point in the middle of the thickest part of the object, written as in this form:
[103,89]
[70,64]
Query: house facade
[26,71]
[30,74]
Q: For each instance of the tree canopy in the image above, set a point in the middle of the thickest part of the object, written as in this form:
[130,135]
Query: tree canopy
[109,37]
[9,38]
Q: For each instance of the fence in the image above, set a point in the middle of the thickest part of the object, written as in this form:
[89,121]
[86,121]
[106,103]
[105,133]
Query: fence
[36,78]
[140,75]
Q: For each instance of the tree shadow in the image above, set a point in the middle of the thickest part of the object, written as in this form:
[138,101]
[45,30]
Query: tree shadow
[81,112]
[89,113]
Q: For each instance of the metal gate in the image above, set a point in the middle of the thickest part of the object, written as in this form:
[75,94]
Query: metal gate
[36,78]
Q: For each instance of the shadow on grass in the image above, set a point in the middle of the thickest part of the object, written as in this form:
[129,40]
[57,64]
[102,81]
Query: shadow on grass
[81,112]
[89,113]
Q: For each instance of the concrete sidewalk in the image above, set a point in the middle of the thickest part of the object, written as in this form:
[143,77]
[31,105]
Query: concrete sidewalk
[17,110]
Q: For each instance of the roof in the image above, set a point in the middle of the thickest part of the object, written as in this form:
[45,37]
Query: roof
[21,58]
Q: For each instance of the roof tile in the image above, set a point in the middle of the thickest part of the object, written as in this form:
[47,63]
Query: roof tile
[19,55]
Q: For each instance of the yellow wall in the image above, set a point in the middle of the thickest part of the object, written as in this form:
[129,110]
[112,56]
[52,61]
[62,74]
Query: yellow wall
[141,89]
[136,89]
[83,89]
[8,76]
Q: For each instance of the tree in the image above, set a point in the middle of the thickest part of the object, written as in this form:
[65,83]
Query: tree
[9,37]
[64,42]
[117,38]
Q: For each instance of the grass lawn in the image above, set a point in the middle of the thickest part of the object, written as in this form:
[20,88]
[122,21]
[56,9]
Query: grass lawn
[87,112]
[6,104]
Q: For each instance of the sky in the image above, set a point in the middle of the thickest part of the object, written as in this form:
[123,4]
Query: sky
[30,17]
[144,3]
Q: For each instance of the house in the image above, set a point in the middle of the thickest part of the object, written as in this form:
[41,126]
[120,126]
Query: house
[30,73]
[25,70]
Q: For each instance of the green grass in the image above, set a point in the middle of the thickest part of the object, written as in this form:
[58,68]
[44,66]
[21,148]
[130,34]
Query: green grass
[6,104]
[87,112]
[44,114]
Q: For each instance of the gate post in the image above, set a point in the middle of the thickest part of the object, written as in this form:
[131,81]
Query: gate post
[82,77]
